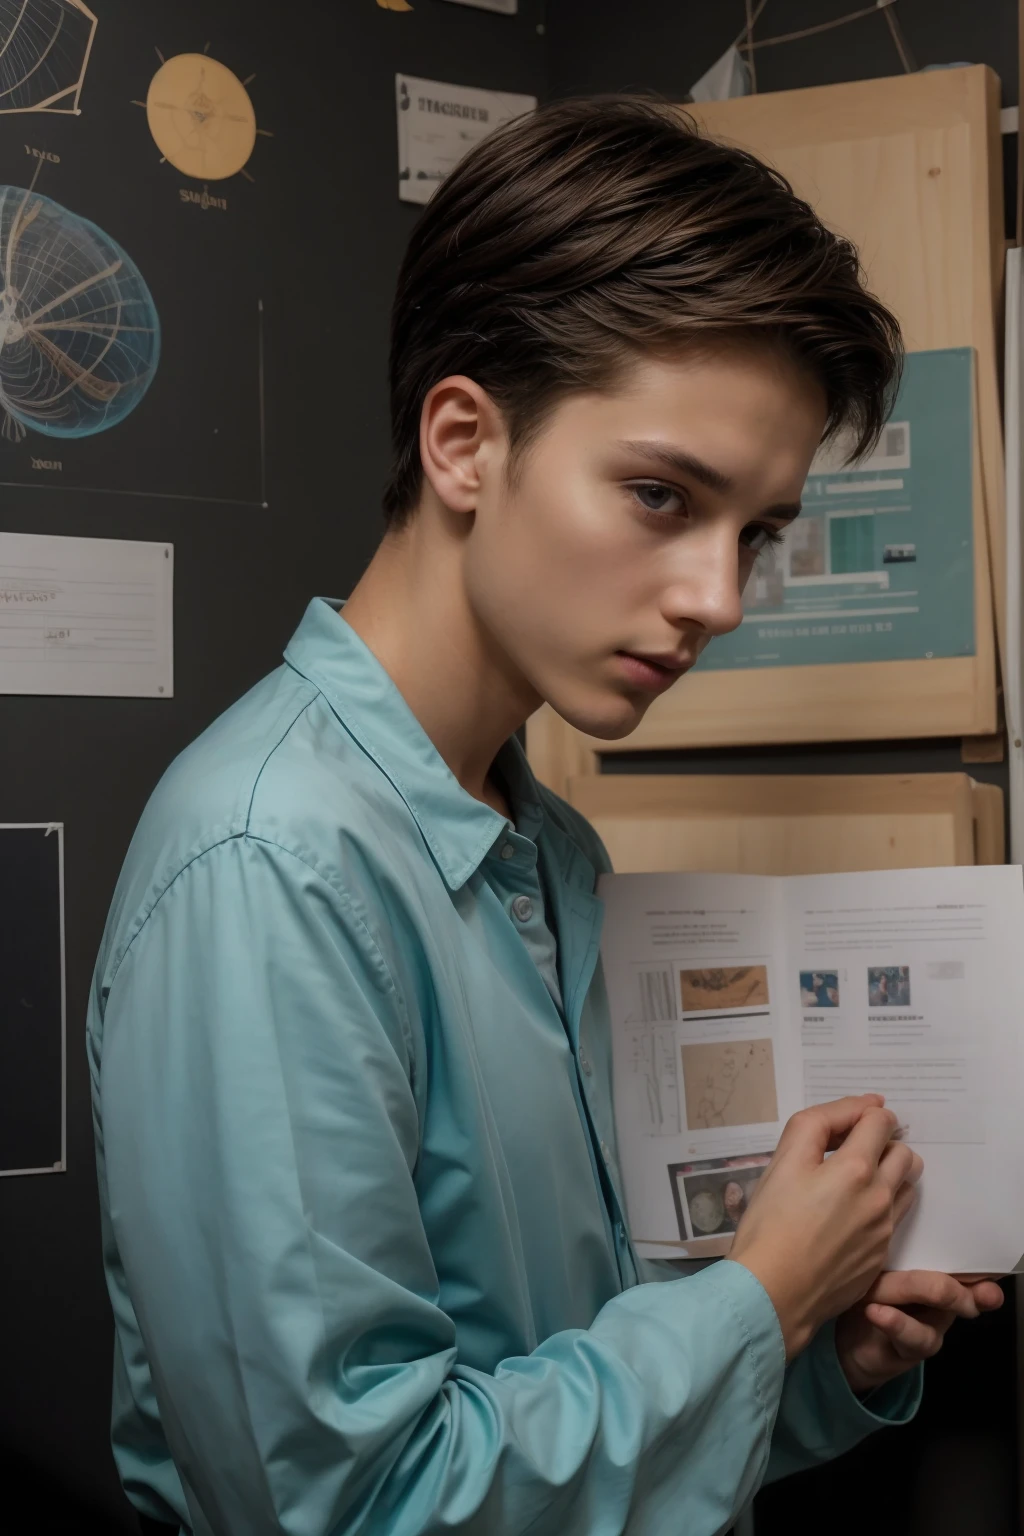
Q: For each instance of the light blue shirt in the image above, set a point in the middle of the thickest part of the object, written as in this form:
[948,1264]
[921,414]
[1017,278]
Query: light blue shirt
[362,1216]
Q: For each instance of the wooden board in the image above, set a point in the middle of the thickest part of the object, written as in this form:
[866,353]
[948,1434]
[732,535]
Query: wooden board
[909,169]
[989,824]
[791,824]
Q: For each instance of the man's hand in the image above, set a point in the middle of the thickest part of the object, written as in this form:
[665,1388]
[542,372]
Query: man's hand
[902,1320]
[818,1228]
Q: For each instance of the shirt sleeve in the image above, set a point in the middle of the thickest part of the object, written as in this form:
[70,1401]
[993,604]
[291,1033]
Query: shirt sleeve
[820,1416]
[259,1146]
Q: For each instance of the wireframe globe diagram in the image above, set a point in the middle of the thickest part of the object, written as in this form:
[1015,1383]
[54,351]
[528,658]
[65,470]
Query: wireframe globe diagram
[44,54]
[79,331]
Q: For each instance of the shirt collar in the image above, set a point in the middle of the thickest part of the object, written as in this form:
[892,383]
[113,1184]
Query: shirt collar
[458,829]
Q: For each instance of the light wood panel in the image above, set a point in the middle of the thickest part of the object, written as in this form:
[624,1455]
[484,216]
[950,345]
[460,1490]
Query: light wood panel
[792,824]
[989,824]
[908,168]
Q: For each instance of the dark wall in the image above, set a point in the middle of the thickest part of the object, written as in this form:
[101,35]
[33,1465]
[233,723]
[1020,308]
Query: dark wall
[954,1470]
[610,45]
[317,235]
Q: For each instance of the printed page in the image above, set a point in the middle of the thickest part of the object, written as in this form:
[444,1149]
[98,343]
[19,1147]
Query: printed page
[706,1064]
[86,616]
[910,985]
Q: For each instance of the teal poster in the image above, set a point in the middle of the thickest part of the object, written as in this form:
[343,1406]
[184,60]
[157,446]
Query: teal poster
[879,566]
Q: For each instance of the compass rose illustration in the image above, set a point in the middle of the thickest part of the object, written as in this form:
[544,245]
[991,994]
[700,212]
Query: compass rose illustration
[201,117]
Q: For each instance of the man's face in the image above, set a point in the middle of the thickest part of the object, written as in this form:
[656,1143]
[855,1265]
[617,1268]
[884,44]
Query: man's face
[633,523]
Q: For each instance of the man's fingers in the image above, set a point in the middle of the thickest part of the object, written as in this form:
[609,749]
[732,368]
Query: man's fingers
[987,1294]
[899,1165]
[869,1137]
[905,1197]
[818,1130]
[913,1337]
[923,1288]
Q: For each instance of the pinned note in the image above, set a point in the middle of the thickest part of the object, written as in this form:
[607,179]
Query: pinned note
[438,124]
[91,617]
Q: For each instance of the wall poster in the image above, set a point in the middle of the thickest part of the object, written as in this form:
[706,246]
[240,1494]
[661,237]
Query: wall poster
[879,566]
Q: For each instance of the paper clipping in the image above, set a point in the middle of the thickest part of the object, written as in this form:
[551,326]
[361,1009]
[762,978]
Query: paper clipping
[438,124]
[737,1000]
[91,617]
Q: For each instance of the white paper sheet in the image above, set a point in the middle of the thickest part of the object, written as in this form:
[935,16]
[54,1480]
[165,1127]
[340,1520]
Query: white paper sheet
[737,1000]
[728,76]
[438,124]
[91,617]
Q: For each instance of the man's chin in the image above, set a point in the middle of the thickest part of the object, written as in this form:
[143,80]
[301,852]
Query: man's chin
[610,719]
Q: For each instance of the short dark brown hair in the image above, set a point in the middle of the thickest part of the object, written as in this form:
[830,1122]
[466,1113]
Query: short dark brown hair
[574,240]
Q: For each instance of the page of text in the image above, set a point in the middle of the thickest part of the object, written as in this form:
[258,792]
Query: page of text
[908,986]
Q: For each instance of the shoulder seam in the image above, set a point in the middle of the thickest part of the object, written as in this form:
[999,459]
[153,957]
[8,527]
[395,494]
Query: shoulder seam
[144,911]
[343,895]
[283,736]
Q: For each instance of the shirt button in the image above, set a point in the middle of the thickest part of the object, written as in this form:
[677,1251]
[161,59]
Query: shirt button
[585,1063]
[522,908]
[507,851]
[606,1152]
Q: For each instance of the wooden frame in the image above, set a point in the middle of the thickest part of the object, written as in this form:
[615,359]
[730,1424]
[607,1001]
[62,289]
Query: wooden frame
[792,824]
[908,168]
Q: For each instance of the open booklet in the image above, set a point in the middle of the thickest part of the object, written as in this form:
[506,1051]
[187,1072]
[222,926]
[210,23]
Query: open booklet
[738,999]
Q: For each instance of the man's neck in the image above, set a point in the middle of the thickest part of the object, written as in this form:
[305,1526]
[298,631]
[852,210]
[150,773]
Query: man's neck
[411,609]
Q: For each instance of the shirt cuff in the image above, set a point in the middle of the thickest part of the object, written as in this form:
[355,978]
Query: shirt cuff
[850,1417]
[750,1303]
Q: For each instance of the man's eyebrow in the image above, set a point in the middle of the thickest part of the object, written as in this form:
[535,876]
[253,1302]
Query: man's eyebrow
[705,474]
[681,461]
[786,511]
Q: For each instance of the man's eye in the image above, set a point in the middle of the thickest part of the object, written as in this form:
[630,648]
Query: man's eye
[759,537]
[655,497]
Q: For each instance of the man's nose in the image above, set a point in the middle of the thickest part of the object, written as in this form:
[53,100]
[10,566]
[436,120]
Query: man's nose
[705,588]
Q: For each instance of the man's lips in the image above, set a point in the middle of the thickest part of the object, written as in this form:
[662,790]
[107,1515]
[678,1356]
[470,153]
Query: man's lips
[653,672]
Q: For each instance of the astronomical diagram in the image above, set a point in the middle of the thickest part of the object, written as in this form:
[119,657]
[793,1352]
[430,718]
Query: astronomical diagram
[79,332]
[201,117]
[44,54]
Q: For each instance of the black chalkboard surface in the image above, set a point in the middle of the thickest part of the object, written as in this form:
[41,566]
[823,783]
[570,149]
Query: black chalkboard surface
[31,1000]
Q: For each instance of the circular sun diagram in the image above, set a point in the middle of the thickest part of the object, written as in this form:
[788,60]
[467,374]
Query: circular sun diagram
[201,117]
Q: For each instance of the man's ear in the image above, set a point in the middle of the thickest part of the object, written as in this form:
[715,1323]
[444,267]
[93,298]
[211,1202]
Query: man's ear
[462,438]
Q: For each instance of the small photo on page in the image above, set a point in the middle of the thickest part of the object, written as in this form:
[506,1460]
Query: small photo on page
[889,986]
[819,989]
[735,986]
[710,1197]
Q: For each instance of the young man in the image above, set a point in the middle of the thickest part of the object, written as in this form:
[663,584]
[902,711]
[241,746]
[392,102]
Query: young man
[363,1220]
